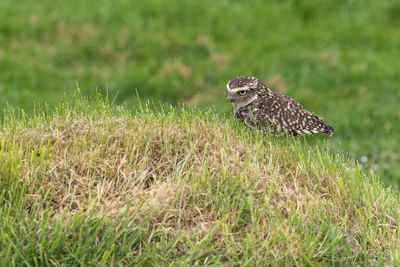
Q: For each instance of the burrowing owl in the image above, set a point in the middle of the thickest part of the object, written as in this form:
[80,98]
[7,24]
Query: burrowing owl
[254,104]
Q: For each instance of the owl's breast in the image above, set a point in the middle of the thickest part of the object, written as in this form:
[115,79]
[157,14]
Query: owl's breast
[248,114]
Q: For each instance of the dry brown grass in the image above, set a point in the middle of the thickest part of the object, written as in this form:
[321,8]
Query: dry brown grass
[201,178]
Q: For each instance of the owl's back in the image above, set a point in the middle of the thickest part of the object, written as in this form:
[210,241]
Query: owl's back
[282,114]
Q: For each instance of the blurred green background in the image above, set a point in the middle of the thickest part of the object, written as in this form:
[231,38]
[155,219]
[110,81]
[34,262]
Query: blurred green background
[340,59]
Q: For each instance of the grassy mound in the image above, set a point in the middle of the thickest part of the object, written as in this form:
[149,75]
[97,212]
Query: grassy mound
[92,183]
[340,60]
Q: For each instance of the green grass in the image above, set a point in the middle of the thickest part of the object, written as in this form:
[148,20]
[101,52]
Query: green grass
[90,183]
[338,58]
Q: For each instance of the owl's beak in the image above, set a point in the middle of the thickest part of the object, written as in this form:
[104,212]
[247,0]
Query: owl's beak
[229,97]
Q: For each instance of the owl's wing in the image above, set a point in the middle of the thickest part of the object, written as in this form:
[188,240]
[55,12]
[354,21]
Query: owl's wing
[285,113]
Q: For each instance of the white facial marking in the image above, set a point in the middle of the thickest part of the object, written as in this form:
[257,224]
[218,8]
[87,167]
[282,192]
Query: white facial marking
[238,89]
[237,106]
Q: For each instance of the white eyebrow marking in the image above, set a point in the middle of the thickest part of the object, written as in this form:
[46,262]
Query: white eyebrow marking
[227,86]
[238,89]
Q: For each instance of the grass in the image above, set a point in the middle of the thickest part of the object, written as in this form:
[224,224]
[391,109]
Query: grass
[92,183]
[339,59]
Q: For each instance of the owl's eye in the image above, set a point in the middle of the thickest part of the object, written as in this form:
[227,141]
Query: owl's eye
[243,92]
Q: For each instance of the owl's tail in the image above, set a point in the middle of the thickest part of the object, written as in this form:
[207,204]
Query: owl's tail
[329,130]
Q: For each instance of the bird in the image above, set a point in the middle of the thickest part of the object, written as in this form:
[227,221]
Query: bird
[257,106]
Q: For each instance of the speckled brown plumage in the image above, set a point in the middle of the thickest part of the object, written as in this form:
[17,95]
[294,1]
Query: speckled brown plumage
[255,104]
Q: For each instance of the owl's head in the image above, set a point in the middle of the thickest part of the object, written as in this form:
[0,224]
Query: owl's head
[243,90]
